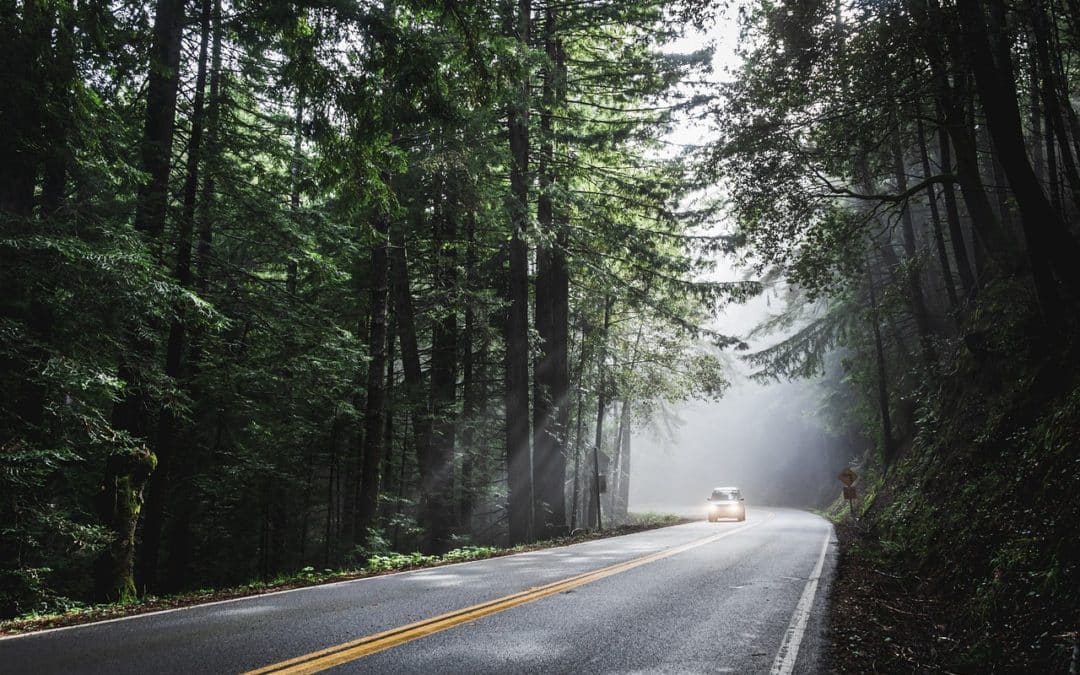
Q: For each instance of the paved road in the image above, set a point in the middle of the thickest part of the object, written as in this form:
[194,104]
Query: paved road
[702,597]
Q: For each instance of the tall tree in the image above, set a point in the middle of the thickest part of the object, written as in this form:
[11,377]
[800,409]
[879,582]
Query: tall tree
[519,464]
[131,414]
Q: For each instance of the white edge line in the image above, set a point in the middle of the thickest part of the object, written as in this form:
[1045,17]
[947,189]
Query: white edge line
[784,664]
[255,596]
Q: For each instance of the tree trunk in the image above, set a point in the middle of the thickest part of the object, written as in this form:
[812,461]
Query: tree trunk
[550,399]
[35,120]
[120,502]
[375,399]
[179,533]
[213,153]
[1052,104]
[935,218]
[161,90]
[58,115]
[130,413]
[621,494]
[910,267]
[1036,143]
[1001,191]
[439,497]
[888,446]
[331,476]
[985,226]
[1053,175]
[1052,251]
[621,488]
[987,235]
[472,392]
[981,249]
[25,44]
[579,434]
[952,216]
[595,515]
[560,316]
[295,167]
[388,405]
[164,443]
[405,318]
[518,445]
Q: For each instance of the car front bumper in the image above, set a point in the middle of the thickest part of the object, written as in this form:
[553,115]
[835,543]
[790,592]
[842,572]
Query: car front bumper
[727,511]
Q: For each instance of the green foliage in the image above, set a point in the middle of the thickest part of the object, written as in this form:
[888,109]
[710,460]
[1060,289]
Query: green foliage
[374,544]
[398,561]
[650,519]
[987,517]
[467,553]
[231,337]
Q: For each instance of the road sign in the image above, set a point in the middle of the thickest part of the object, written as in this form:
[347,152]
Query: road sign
[847,476]
[849,492]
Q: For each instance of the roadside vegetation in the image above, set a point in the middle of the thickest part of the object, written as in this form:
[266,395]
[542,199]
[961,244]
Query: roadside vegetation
[963,558]
[71,613]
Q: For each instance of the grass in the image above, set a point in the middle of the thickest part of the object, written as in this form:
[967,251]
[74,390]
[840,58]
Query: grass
[76,613]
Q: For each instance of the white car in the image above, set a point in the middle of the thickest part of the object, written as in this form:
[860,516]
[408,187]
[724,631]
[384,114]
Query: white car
[726,502]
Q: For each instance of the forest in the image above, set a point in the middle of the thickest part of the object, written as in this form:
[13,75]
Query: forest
[289,284]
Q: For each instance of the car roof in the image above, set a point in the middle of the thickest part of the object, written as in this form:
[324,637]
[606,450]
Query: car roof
[725,489]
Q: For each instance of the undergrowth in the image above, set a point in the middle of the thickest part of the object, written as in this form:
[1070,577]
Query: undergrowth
[982,509]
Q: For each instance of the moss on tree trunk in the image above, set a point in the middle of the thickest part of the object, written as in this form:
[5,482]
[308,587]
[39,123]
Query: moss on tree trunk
[126,474]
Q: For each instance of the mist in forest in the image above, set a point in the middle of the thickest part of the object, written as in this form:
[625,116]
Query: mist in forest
[761,438]
[767,439]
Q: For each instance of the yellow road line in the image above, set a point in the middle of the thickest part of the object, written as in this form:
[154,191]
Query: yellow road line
[365,646]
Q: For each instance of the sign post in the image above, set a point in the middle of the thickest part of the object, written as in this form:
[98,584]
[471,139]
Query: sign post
[848,478]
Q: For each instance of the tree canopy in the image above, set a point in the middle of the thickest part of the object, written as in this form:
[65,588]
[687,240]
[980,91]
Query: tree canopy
[288,284]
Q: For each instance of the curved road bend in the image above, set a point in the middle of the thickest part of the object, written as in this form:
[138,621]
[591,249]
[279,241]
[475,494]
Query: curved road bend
[702,597]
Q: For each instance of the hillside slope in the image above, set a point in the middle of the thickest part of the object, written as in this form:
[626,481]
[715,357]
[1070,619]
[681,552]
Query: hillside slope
[966,554]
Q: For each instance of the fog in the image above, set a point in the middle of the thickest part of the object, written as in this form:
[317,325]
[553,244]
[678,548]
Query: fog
[758,438]
[765,439]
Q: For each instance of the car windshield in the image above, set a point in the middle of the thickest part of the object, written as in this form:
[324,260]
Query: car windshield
[724,496]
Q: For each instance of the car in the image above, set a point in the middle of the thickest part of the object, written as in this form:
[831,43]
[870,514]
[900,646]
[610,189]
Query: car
[726,502]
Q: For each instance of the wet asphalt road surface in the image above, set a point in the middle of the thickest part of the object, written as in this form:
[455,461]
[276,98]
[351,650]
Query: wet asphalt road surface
[728,604]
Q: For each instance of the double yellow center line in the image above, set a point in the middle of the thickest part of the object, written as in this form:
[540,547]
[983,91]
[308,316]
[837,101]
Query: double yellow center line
[365,646]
